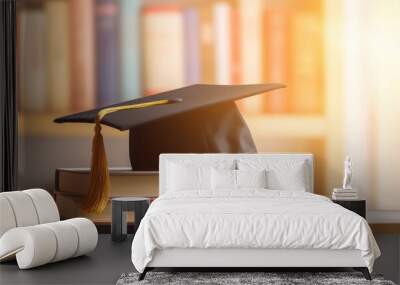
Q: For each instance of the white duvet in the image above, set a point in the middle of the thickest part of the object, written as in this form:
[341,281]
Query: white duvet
[250,219]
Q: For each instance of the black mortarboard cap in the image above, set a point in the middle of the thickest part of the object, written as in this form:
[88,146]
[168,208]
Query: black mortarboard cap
[206,120]
[197,119]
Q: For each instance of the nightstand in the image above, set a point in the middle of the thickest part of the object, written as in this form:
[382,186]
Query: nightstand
[120,206]
[357,206]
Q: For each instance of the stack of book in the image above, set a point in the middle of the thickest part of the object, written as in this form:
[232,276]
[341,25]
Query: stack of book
[344,194]
[72,184]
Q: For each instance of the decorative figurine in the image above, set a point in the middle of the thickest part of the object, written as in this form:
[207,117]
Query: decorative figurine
[348,172]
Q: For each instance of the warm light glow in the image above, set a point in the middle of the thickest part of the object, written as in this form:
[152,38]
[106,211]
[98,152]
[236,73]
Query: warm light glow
[340,60]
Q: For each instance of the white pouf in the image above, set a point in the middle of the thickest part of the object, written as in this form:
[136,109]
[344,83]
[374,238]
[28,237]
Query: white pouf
[7,219]
[31,230]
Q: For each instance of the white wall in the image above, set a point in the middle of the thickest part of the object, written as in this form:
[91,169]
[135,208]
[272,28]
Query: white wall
[371,93]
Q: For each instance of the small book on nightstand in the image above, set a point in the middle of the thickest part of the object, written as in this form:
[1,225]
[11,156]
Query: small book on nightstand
[72,184]
[344,194]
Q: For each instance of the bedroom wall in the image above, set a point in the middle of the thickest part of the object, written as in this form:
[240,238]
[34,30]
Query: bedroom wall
[352,46]
[369,88]
[356,104]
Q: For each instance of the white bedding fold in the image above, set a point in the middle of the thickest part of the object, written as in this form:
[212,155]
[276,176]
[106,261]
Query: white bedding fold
[250,219]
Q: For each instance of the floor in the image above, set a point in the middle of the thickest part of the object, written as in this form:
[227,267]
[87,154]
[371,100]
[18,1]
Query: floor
[103,266]
[111,259]
[388,263]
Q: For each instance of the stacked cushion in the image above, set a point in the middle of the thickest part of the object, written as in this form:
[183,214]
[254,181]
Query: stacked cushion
[31,231]
[45,206]
[7,218]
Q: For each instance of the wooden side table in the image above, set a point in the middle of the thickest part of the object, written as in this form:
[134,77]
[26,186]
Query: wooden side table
[120,206]
[357,206]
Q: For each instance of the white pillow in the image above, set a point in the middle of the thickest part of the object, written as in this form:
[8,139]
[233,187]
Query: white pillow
[251,178]
[181,177]
[290,179]
[223,179]
[186,174]
[228,179]
[282,174]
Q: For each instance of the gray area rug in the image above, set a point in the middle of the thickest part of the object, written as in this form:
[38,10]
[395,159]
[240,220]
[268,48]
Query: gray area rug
[225,278]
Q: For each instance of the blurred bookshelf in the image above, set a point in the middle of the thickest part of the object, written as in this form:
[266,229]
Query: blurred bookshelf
[76,55]
[281,125]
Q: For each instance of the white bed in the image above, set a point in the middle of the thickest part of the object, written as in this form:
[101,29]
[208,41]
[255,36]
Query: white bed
[249,227]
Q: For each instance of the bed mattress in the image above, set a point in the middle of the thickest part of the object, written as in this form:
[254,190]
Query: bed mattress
[250,219]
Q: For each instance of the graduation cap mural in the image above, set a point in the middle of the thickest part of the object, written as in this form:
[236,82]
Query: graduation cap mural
[199,118]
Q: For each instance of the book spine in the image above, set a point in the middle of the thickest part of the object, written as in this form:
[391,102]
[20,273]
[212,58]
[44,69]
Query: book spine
[341,190]
[345,194]
[206,44]
[192,46]
[306,59]
[251,53]
[163,48]
[32,60]
[107,52]
[82,54]
[344,198]
[276,50]
[222,39]
[58,83]
[130,49]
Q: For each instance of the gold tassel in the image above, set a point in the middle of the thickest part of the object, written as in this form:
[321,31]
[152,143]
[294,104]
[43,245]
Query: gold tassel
[99,185]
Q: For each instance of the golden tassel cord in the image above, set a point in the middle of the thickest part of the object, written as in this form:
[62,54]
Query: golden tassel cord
[99,185]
